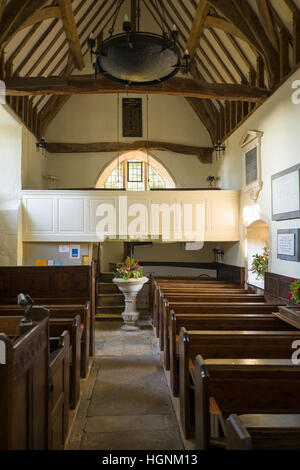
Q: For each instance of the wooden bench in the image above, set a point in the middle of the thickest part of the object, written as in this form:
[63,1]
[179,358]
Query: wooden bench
[210,322]
[65,311]
[225,344]
[56,393]
[226,386]
[48,285]
[177,285]
[58,398]
[57,326]
[24,387]
[213,297]
[263,432]
[73,327]
[208,307]
[173,295]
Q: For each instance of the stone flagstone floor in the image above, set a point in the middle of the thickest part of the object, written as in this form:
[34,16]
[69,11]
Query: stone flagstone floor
[126,404]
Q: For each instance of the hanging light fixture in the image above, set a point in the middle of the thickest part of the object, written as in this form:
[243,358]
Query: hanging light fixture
[136,57]
[219,148]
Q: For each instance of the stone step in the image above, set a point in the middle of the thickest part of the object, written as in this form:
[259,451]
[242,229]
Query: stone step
[107,288]
[104,315]
[115,309]
[110,300]
[108,316]
[106,277]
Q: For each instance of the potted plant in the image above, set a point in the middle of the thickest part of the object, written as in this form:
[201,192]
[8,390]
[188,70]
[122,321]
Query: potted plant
[260,264]
[295,291]
[130,279]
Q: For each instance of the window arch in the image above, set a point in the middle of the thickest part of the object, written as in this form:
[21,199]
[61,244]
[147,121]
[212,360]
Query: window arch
[135,171]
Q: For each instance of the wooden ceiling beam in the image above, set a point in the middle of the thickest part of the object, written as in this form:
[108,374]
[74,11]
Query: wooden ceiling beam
[87,84]
[240,13]
[219,59]
[15,15]
[202,108]
[68,19]
[224,25]
[44,14]
[133,15]
[2,7]
[226,53]
[100,147]
[268,22]
[197,27]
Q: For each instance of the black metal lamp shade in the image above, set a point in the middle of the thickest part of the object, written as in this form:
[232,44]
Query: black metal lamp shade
[138,58]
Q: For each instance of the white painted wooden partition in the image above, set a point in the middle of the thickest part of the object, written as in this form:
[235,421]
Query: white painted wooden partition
[72,216]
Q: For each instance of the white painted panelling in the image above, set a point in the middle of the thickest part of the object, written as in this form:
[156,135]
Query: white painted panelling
[74,215]
[40,215]
[71,215]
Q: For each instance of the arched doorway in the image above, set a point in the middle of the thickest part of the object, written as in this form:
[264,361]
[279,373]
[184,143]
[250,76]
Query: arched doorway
[257,239]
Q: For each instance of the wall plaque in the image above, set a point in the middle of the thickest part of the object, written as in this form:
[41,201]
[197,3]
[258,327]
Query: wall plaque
[288,242]
[132,117]
[251,166]
[286,194]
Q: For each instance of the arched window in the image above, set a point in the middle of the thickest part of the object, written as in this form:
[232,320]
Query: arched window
[135,171]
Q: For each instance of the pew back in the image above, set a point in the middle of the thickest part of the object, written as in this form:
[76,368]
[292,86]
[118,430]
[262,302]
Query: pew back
[24,390]
[243,386]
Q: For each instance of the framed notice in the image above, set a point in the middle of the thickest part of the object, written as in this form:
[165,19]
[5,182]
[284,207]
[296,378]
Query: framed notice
[132,117]
[286,194]
[288,243]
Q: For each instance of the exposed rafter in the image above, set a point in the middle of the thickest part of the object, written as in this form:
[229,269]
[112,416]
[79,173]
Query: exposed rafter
[197,27]
[267,21]
[70,27]
[87,84]
[42,15]
[240,14]
[15,15]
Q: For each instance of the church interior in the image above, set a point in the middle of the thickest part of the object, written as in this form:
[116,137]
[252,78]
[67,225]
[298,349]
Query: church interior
[149,225]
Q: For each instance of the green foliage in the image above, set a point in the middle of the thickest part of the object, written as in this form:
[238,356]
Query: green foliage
[260,264]
[130,269]
[295,291]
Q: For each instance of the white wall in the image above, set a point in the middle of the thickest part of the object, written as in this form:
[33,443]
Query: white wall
[33,162]
[10,185]
[279,119]
[94,118]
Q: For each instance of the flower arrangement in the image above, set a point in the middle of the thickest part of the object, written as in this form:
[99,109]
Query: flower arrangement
[260,264]
[130,269]
[295,291]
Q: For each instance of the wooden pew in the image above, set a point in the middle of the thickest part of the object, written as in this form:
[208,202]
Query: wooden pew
[56,393]
[205,297]
[227,386]
[24,380]
[263,432]
[225,345]
[57,326]
[72,326]
[65,311]
[177,284]
[208,307]
[74,285]
[58,400]
[168,294]
[210,322]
